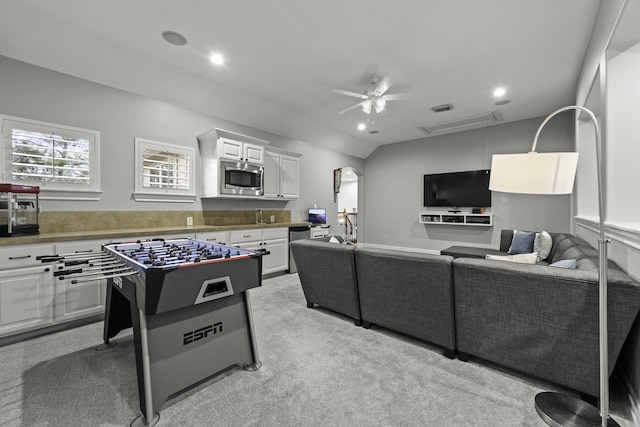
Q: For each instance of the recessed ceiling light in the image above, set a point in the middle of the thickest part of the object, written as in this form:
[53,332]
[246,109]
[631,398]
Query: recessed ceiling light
[362,126]
[217,59]
[174,38]
[499,92]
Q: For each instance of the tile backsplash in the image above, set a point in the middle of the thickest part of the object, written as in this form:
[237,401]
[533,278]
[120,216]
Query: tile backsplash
[63,221]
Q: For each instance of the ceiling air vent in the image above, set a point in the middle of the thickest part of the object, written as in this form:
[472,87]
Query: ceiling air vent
[463,123]
[441,108]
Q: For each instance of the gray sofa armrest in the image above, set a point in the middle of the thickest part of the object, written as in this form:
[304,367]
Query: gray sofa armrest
[408,292]
[327,274]
[540,320]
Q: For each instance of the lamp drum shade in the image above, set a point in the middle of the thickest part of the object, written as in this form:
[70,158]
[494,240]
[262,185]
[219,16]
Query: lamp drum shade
[533,173]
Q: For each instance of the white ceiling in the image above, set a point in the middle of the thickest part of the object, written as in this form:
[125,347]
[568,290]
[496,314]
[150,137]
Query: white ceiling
[284,57]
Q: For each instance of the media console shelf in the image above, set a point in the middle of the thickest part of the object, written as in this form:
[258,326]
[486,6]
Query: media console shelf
[447,218]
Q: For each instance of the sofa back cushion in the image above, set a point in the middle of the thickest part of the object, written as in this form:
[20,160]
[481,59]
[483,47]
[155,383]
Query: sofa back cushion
[506,237]
[327,274]
[408,292]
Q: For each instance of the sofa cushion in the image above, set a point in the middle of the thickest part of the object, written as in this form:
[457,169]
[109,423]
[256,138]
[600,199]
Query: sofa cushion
[565,263]
[522,242]
[557,240]
[587,264]
[506,237]
[542,245]
[529,258]
[469,252]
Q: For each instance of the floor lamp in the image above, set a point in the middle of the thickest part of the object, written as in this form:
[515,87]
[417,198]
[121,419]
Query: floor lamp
[554,173]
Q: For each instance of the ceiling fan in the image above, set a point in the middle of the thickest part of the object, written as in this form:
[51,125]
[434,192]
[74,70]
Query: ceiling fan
[374,95]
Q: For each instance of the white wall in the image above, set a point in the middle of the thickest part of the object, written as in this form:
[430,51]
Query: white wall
[41,94]
[348,196]
[608,15]
[623,135]
[394,175]
[617,101]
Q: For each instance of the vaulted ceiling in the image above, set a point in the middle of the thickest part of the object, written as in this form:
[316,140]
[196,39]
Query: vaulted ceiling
[283,58]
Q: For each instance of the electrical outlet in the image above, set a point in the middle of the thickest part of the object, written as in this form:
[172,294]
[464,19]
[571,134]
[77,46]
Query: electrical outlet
[189,220]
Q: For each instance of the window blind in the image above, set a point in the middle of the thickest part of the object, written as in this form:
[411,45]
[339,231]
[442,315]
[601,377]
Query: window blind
[37,156]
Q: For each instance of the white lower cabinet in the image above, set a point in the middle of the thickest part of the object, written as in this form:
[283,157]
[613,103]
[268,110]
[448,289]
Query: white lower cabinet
[273,240]
[77,300]
[32,297]
[26,298]
[26,289]
[278,258]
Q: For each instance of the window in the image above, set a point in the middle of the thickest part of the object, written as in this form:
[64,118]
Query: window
[164,172]
[61,160]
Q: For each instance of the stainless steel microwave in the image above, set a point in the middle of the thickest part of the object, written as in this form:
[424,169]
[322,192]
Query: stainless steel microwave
[241,178]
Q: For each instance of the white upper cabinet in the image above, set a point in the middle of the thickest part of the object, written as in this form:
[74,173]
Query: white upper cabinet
[289,175]
[281,175]
[240,151]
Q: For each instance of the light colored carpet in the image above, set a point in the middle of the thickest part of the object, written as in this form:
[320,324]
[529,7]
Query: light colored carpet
[318,370]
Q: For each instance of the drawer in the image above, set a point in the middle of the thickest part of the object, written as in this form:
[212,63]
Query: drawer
[219,237]
[275,233]
[80,246]
[16,256]
[240,236]
[318,232]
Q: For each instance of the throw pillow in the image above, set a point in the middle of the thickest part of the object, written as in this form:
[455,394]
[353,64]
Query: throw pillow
[521,258]
[522,242]
[334,240]
[565,263]
[542,245]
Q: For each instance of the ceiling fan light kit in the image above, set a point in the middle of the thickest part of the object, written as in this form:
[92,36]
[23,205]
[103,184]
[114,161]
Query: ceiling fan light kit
[374,96]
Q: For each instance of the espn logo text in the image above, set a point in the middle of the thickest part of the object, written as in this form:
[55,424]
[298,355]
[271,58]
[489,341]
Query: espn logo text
[201,333]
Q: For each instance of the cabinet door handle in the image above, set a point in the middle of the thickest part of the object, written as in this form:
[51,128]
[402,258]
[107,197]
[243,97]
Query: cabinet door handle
[20,257]
[84,252]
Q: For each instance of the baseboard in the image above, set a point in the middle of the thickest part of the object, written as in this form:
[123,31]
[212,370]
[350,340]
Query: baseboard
[25,336]
[399,248]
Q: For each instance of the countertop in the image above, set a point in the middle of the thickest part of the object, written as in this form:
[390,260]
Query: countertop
[138,232]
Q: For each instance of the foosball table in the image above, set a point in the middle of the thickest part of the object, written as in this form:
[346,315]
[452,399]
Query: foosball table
[188,304]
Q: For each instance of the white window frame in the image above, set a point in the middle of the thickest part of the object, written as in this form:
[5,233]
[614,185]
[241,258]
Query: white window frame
[146,194]
[51,190]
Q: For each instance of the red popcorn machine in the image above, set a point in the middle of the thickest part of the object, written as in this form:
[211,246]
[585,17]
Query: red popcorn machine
[19,210]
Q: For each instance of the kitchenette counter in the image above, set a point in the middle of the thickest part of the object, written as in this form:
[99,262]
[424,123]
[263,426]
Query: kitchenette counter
[136,232]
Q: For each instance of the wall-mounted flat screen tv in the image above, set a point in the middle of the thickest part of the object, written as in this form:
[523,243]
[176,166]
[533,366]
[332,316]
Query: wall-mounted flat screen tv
[458,189]
[317,215]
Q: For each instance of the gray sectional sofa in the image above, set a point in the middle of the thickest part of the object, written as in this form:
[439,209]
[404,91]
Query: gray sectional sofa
[536,319]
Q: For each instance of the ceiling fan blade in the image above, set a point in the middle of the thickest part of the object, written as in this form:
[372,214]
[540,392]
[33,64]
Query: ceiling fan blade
[401,96]
[346,92]
[383,86]
[359,104]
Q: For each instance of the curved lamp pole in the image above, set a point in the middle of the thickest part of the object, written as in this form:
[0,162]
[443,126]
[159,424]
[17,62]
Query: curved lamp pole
[554,173]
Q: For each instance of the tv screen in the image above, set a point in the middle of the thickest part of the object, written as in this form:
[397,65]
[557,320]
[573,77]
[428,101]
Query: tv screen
[459,189]
[317,215]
